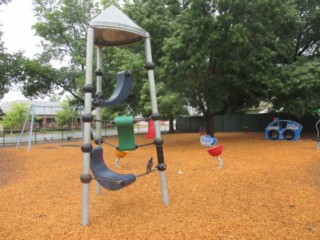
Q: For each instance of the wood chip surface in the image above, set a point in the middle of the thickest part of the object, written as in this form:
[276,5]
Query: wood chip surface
[265,190]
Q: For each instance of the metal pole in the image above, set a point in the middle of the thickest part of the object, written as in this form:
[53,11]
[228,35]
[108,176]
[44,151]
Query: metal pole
[220,163]
[156,121]
[318,132]
[85,177]
[98,109]
[81,123]
[24,126]
[31,129]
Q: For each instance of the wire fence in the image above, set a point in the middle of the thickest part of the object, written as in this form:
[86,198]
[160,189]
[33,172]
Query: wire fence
[9,138]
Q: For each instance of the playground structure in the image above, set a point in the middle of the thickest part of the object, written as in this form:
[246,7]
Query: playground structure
[46,136]
[283,130]
[318,131]
[114,28]
[214,150]
[208,141]
[121,154]
[150,134]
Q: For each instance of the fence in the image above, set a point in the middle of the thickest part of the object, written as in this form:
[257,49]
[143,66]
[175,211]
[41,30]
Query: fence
[66,134]
[237,123]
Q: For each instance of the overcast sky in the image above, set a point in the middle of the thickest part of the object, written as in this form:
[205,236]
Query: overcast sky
[16,19]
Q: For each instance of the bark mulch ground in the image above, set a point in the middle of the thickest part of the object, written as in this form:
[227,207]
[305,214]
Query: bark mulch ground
[265,190]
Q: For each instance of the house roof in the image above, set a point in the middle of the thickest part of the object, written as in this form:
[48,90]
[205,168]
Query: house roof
[42,107]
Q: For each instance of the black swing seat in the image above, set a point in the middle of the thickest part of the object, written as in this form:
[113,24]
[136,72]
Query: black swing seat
[106,177]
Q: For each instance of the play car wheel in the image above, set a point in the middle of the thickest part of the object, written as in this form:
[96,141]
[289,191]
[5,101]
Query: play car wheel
[273,134]
[288,134]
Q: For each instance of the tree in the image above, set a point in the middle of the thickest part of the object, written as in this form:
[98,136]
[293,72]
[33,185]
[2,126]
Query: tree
[1,43]
[4,77]
[169,103]
[37,78]
[296,90]
[156,17]
[225,52]
[4,63]
[299,93]
[307,40]
[62,27]
[16,116]
[67,116]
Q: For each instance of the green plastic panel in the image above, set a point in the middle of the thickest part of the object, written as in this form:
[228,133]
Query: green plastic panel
[125,130]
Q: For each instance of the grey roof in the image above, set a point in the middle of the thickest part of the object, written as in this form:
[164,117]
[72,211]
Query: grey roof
[113,28]
[43,107]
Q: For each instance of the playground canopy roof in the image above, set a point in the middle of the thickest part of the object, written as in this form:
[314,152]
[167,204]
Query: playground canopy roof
[113,28]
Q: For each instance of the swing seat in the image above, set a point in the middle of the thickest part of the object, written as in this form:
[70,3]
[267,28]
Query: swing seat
[215,151]
[106,177]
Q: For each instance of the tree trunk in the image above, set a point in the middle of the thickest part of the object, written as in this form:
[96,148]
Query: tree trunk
[209,118]
[171,125]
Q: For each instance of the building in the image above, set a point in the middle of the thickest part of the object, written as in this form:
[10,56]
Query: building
[44,110]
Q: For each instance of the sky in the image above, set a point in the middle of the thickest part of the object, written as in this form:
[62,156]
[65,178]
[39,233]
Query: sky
[16,19]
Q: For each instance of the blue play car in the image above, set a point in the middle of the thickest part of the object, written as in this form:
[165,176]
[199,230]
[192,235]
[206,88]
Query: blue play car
[283,130]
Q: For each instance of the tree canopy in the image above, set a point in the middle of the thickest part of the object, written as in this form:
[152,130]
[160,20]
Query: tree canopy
[218,56]
[16,116]
[297,88]
[4,63]
[67,116]
[226,52]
